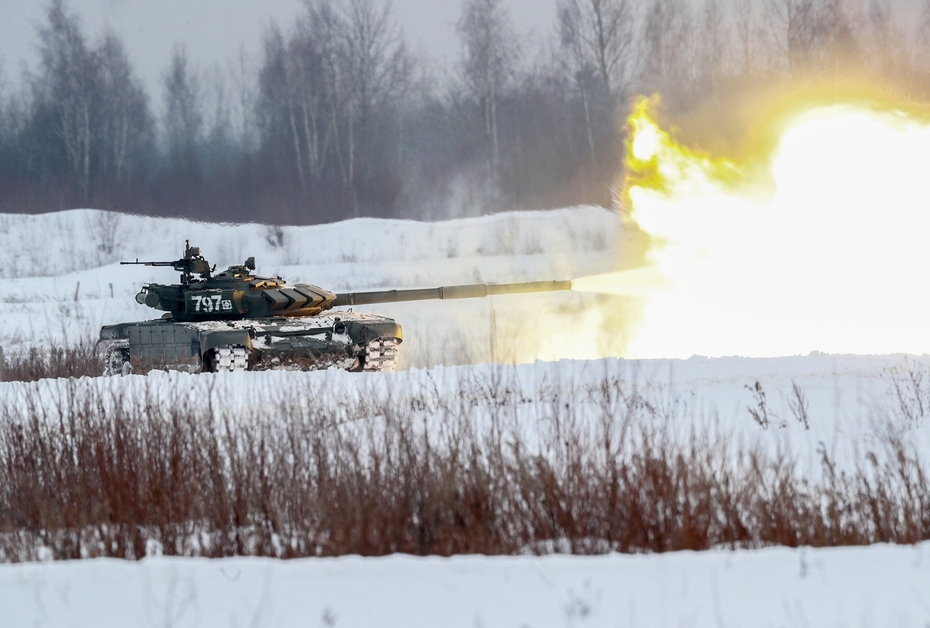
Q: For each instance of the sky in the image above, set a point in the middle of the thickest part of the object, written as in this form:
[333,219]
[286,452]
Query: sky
[214,30]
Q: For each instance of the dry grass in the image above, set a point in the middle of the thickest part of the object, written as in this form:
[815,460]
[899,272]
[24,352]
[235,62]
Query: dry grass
[112,475]
[29,365]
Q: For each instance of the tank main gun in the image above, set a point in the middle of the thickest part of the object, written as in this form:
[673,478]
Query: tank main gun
[192,263]
[467,291]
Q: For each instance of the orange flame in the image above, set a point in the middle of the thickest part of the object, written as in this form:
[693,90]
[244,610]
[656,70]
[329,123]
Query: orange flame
[827,251]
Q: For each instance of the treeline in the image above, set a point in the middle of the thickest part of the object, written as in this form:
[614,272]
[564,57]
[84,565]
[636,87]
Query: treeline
[338,118]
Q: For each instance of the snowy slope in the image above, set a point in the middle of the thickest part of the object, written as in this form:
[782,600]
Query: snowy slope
[54,244]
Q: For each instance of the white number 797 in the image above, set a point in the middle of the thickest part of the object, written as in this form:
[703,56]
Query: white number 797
[207,304]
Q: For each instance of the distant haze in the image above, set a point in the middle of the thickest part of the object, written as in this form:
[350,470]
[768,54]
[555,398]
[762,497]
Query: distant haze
[214,30]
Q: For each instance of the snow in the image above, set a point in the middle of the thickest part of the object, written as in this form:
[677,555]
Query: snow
[851,402]
[870,586]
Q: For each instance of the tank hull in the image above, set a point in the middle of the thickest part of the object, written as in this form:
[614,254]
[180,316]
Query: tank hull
[348,340]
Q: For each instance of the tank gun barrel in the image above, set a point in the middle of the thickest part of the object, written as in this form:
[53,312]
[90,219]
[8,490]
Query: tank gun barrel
[467,291]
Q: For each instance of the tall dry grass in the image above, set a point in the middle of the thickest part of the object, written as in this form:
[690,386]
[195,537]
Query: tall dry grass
[123,474]
[35,363]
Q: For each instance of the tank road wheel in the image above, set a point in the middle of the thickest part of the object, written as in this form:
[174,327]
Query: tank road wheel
[230,358]
[380,355]
[116,361]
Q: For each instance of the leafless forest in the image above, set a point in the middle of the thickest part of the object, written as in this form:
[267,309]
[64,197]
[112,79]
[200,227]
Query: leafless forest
[338,118]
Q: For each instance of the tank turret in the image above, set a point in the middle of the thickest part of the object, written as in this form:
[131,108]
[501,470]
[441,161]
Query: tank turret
[234,320]
[232,294]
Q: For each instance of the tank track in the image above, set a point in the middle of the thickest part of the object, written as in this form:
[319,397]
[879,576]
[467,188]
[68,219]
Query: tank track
[231,358]
[377,356]
[380,355]
[116,361]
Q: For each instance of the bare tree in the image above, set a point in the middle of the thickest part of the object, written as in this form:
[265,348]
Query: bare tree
[124,108]
[379,71]
[796,27]
[183,115]
[813,35]
[596,37]
[713,45]
[243,98]
[69,87]
[378,59]
[922,38]
[886,49]
[579,67]
[331,92]
[600,32]
[276,101]
[307,91]
[840,34]
[216,101]
[487,64]
[317,99]
[668,42]
[183,123]
[5,134]
[749,36]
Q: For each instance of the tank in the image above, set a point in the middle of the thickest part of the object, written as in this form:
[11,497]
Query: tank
[237,321]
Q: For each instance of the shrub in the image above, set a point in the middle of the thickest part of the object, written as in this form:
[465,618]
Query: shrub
[120,471]
[35,363]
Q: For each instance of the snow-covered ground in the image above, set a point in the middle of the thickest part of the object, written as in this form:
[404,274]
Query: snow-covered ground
[872,586]
[849,403]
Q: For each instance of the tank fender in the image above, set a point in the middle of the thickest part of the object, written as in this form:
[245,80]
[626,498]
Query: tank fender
[365,331]
[213,339]
[114,332]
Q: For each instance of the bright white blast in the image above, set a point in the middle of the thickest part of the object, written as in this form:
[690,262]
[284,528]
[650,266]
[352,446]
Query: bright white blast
[828,250]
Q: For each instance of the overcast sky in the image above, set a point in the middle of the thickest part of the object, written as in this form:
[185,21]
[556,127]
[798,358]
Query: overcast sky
[213,30]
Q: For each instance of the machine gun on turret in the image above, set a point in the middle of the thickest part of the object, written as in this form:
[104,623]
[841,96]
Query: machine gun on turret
[192,263]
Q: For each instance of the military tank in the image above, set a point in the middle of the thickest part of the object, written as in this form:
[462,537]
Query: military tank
[236,321]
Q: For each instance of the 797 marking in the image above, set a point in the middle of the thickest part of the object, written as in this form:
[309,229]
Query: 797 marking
[211,303]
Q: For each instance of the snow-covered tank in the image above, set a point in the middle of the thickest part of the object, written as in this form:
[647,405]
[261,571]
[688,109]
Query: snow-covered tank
[237,321]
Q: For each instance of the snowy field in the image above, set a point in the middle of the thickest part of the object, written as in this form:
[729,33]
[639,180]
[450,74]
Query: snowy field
[805,406]
[878,585]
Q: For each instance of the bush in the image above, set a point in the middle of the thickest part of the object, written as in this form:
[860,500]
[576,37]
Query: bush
[126,474]
[34,363]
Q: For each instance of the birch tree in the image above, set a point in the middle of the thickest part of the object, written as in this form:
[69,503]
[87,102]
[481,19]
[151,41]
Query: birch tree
[795,26]
[487,63]
[183,124]
[600,33]
[125,124]
[749,36]
[668,47]
[713,45]
[68,86]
